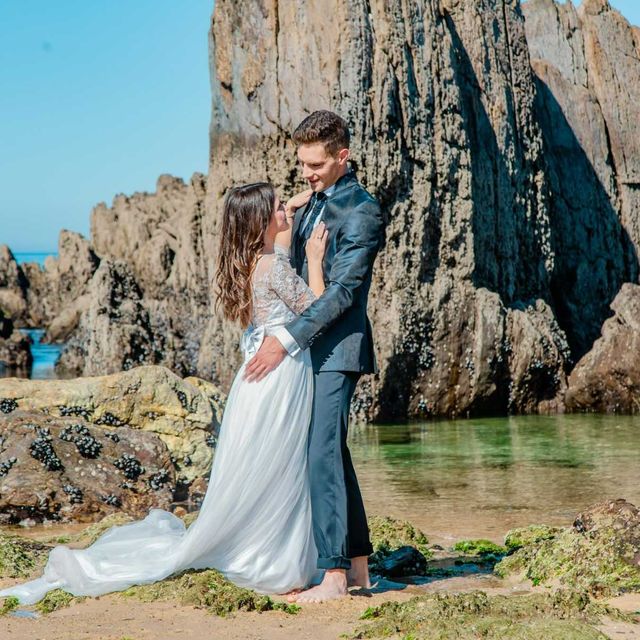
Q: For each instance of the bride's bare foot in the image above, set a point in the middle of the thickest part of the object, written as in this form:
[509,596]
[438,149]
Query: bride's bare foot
[291,595]
[332,587]
[358,575]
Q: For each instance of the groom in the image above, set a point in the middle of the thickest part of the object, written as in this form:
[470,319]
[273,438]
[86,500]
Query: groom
[338,332]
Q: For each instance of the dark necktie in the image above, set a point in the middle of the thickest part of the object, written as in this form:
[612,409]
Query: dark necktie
[313,214]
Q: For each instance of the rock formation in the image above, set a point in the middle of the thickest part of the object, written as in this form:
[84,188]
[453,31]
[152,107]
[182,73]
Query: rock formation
[15,354]
[66,469]
[499,140]
[184,414]
[607,379]
[587,67]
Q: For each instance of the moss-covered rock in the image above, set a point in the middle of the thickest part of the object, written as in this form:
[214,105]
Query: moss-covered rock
[208,589]
[599,554]
[596,563]
[94,531]
[479,548]
[19,557]
[387,537]
[8,605]
[467,616]
[56,599]
[517,538]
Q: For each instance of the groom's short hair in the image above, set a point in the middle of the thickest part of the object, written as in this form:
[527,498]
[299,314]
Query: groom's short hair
[326,127]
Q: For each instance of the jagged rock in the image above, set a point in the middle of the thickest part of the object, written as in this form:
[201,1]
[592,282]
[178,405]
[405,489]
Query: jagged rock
[160,236]
[608,377]
[34,295]
[15,350]
[69,469]
[114,334]
[68,275]
[13,285]
[587,66]
[66,322]
[179,413]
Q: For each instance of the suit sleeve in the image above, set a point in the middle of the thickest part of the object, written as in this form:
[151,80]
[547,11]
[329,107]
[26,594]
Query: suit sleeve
[359,240]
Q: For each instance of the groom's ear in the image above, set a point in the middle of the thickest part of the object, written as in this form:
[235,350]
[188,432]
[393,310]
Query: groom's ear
[343,156]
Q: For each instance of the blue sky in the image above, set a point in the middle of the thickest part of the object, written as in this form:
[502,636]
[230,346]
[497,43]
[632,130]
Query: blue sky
[99,97]
[630,9]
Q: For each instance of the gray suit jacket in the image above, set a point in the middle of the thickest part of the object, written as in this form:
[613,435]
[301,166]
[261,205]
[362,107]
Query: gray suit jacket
[336,326]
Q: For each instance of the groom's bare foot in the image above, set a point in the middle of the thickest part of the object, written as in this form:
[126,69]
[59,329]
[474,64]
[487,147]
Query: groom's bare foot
[358,575]
[332,587]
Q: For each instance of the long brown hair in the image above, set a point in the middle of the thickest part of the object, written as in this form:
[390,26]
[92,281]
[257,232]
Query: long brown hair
[246,216]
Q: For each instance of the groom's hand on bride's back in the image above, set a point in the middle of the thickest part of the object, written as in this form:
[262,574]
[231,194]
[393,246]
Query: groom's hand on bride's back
[269,356]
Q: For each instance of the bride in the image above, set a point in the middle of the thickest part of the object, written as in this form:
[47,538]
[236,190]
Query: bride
[255,522]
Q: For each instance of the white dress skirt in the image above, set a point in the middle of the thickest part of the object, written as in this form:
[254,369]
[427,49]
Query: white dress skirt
[254,525]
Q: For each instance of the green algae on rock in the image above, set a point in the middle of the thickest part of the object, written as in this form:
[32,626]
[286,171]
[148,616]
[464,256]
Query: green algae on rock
[599,554]
[57,599]
[561,615]
[523,536]
[8,605]
[208,589]
[388,536]
[479,547]
[19,556]
[95,530]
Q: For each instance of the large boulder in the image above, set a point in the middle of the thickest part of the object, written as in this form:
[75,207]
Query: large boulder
[184,414]
[599,554]
[607,378]
[54,468]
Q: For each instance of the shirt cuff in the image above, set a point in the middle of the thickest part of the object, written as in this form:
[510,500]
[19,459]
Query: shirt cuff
[287,341]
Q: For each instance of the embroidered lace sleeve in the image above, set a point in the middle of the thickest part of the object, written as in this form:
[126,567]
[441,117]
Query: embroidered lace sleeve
[289,286]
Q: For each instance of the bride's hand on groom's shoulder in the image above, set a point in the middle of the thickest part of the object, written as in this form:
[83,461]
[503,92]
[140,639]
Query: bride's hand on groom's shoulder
[299,200]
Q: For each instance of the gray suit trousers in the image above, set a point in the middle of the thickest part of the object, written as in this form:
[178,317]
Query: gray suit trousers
[339,520]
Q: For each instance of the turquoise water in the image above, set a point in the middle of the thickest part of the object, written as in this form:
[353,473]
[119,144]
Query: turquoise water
[480,478]
[34,256]
[44,357]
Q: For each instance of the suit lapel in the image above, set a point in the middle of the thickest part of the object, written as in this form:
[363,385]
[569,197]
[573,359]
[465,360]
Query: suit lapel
[297,242]
[297,218]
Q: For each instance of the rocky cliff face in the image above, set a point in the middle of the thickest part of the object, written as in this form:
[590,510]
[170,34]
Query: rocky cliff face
[479,287]
[499,140]
[587,68]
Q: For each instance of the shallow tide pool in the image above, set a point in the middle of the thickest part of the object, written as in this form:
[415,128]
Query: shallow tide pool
[481,477]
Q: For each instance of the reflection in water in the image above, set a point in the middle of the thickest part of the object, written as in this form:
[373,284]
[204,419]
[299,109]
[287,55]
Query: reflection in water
[481,477]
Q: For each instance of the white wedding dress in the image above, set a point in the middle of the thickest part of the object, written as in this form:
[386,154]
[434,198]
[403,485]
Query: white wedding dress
[255,521]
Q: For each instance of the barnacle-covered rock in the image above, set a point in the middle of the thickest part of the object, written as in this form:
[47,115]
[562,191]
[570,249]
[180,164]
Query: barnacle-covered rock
[57,468]
[184,414]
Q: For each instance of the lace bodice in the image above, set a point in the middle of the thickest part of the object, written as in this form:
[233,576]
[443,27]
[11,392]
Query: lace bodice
[279,293]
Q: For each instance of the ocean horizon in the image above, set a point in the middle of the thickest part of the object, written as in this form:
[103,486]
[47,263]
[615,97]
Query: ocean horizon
[33,256]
